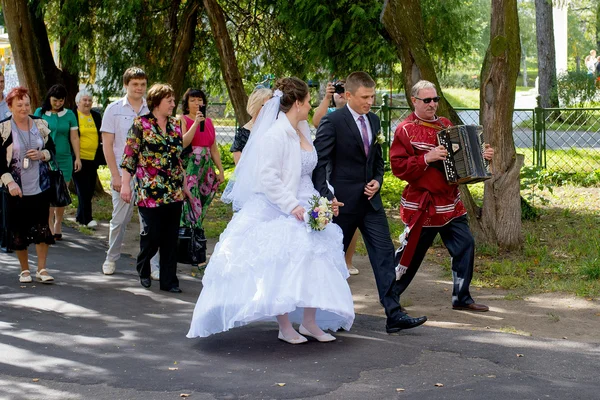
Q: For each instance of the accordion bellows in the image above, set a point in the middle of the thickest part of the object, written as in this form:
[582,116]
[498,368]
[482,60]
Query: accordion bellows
[464,163]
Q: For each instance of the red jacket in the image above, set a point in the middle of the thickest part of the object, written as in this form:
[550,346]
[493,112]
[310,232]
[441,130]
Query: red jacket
[407,157]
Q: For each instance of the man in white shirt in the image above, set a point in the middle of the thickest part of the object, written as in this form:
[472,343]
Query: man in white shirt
[116,122]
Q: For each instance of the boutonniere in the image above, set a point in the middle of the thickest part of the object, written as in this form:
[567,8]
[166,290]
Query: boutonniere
[380,138]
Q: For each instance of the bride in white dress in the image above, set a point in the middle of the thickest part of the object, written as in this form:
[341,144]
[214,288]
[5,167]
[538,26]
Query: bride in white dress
[267,264]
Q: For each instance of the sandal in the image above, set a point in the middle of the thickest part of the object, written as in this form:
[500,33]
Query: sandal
[43,278]
[25,278]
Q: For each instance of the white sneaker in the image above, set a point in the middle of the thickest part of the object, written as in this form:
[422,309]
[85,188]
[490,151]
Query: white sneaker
[352,270]
[25,278]
[109,267]
[92,224]
[155,275]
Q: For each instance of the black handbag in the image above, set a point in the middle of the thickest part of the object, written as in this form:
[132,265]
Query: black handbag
[4,232]
[191,244]
[59,191]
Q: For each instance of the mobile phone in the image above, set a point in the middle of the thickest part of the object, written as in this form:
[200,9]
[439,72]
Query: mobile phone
[203,111]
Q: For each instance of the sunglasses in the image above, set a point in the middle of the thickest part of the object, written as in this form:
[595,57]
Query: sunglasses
[428,100]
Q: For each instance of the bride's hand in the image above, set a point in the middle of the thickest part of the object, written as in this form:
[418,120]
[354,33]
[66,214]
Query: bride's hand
[299,212]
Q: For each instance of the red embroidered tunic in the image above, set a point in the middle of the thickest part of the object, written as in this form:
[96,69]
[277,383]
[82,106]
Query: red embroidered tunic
[427,187]
[428,199]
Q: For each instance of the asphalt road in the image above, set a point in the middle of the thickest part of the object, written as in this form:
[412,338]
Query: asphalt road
[90,336]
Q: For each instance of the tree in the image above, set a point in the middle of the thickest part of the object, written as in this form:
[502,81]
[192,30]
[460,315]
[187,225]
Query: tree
[182,44]
[546,53]
[31,49]
[501,216]
[229,67]
[403,22]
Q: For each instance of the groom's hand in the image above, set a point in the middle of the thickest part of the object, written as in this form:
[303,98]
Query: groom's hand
[335,207]
[371,188]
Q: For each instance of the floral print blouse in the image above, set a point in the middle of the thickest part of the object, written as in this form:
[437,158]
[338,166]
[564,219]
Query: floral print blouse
[153,157]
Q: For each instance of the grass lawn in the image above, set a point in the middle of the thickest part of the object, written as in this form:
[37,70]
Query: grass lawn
[461,97]
[561,250]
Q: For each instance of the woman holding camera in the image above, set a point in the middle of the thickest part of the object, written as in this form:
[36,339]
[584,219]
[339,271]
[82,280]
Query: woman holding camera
[200,160]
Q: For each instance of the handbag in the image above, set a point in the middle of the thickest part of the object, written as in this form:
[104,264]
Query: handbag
[4,232]
[59,191]
[191,244]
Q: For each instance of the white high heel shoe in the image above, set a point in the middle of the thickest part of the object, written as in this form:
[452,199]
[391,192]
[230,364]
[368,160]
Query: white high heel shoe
[296,340]
[325,337]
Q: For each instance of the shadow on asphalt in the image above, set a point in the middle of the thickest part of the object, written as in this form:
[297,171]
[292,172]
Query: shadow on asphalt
[106,337]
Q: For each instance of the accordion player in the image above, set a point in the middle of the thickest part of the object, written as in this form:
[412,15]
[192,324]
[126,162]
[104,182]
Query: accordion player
[464,163]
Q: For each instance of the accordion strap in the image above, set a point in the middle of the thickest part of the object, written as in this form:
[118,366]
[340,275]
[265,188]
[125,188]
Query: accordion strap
[437,127]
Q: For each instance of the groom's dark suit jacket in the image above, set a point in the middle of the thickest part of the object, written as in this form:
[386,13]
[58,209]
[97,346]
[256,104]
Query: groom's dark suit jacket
[340,146]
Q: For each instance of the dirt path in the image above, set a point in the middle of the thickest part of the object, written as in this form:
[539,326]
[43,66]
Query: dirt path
[549,315]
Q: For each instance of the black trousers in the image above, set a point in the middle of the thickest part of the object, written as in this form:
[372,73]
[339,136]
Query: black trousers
[160,228]
[459,241]
[375,231]
[85,183]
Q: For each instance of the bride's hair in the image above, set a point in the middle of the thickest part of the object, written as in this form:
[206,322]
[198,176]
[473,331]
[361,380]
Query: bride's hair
[293,89]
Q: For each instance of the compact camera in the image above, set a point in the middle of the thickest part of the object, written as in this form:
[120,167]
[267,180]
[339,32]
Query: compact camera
[338,88]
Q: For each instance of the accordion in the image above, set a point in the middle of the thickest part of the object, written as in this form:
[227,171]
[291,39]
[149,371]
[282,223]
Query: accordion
[464,163]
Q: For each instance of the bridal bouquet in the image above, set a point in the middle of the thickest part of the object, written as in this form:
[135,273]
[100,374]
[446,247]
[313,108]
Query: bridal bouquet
[319,214]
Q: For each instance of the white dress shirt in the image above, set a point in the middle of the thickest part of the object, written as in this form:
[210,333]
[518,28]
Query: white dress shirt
[356,115]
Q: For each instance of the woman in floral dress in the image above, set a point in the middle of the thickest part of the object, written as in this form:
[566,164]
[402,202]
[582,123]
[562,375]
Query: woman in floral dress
[152,155]
[199,159]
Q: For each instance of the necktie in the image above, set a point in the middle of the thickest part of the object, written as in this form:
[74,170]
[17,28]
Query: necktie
[365,134]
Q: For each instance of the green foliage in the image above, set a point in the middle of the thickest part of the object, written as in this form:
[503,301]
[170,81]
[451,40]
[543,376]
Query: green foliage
[576,89]
[534,180]
[456,32]
[458,79]
[391,190]
[339,37]
[226,157]
[591,269]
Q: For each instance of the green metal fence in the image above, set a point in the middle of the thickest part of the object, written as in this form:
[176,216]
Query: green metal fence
[558,139]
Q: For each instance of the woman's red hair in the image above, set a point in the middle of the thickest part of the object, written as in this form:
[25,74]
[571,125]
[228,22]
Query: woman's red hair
[16,93]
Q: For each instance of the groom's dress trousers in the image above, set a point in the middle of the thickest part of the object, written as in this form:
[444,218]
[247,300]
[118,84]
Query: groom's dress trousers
[353,160]
[430,205]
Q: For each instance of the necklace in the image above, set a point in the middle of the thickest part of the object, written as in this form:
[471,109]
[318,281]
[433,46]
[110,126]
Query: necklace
[27,145]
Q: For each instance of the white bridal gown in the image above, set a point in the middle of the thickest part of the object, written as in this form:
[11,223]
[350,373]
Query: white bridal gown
[266,264]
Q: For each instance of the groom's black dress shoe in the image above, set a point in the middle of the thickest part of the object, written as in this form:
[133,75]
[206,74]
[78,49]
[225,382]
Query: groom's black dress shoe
[146,282]
[174,289]
[404,322]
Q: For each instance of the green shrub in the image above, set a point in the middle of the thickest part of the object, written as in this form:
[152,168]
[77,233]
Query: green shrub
[576,89]
[460,80]
[226,156]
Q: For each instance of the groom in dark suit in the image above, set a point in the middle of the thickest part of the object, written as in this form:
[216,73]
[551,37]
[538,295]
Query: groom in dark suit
[346,144]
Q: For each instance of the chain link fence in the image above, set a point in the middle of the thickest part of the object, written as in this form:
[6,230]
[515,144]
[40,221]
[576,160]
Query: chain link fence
[563,140]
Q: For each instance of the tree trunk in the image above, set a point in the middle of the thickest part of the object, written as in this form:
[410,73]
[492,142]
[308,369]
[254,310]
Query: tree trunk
[183,48]
[403,21]
[229,67]
[501,216]
[31,48]
[544,29]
